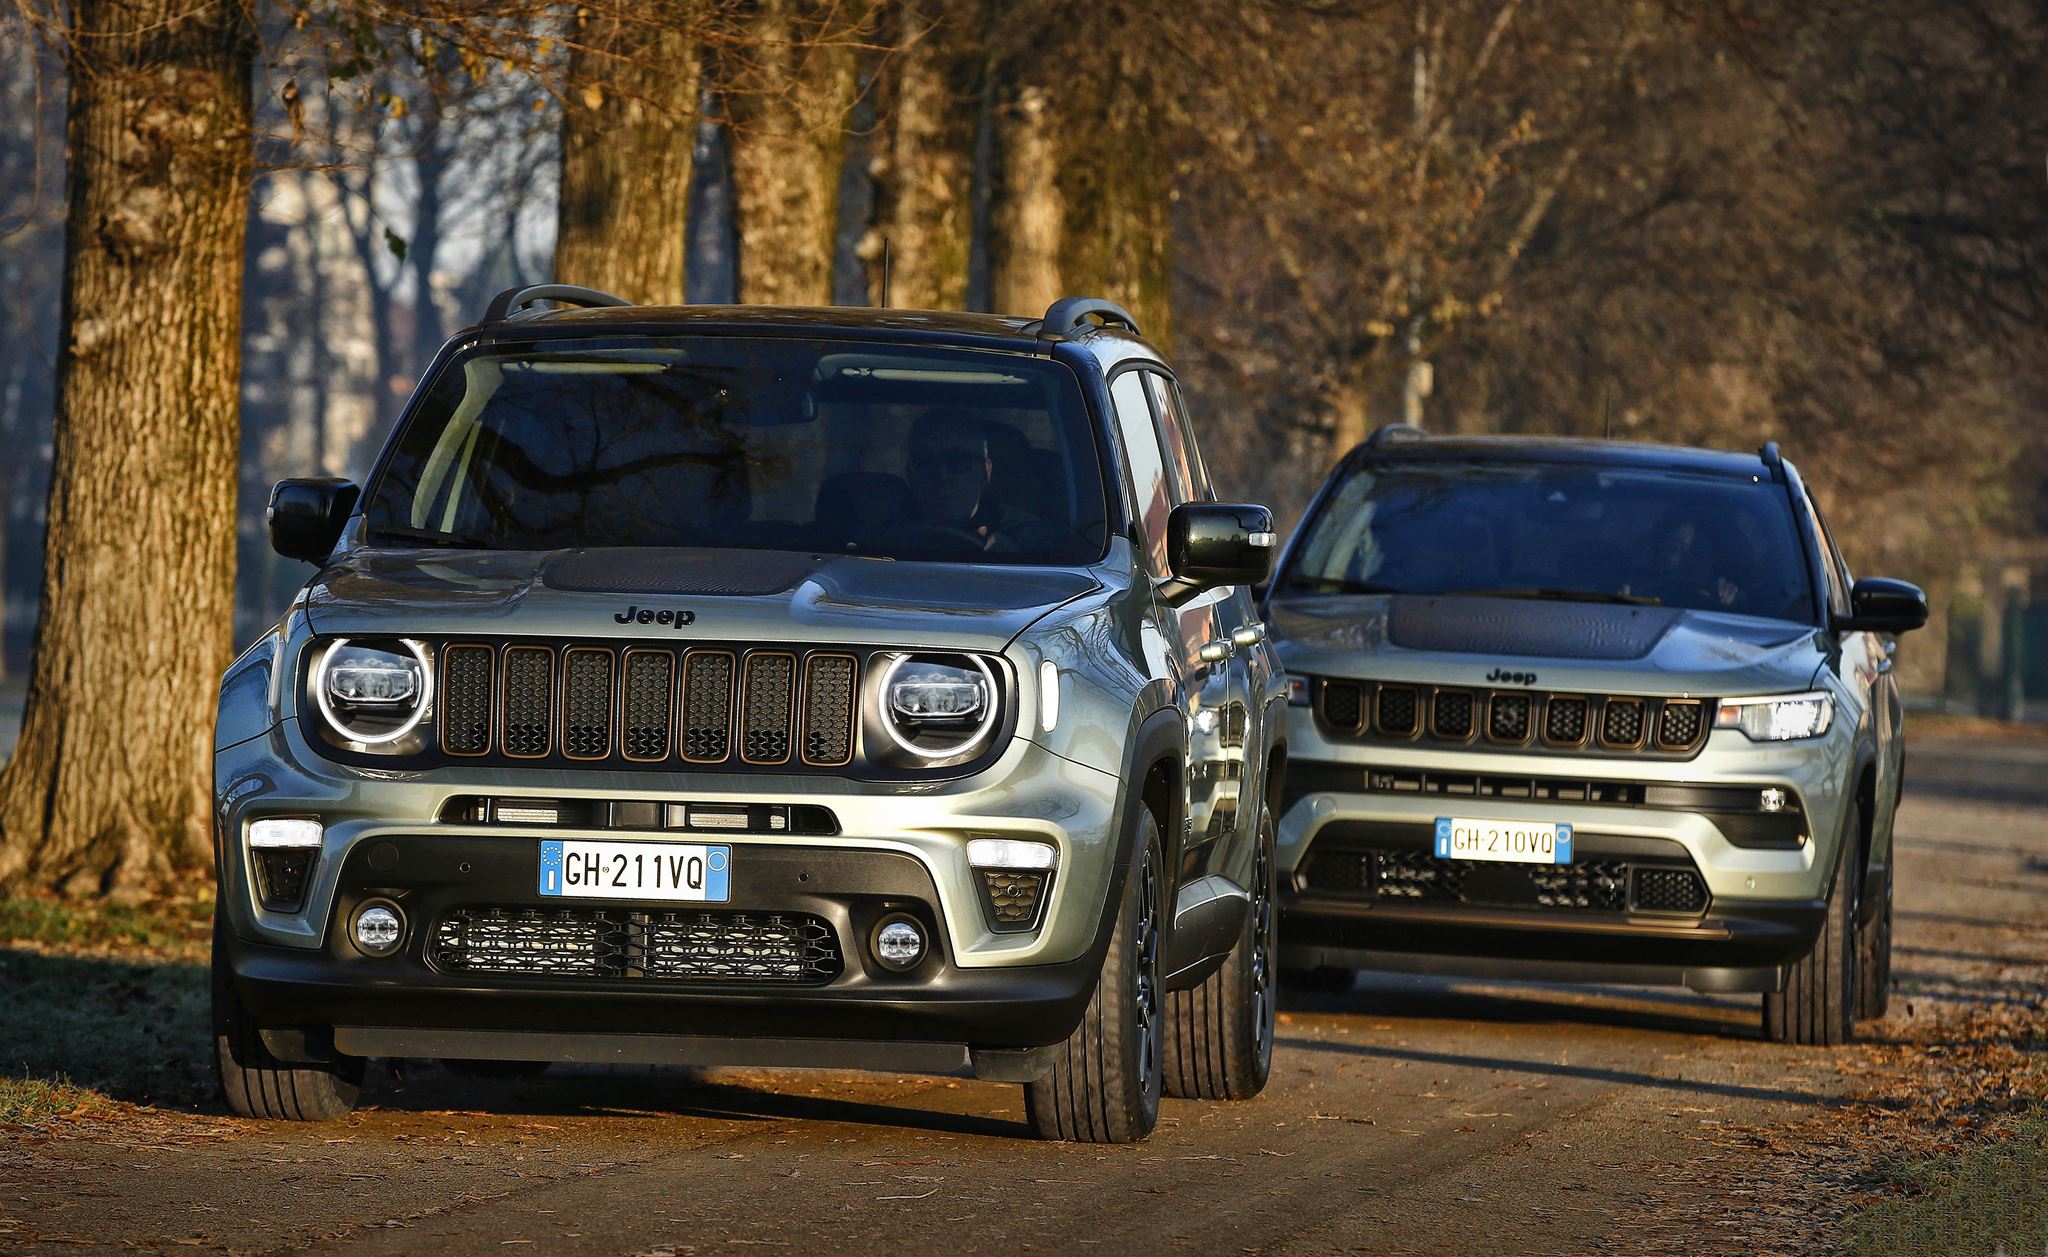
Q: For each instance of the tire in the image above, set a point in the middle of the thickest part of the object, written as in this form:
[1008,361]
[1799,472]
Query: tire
[1104,1083]
[1219,1036]
[256,1084]
[1819,1000]
[1320,980]
[1874,959]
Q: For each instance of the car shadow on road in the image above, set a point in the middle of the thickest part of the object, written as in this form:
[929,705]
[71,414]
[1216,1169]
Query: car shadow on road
[1464,999]
[1556,1069]
[651,1092]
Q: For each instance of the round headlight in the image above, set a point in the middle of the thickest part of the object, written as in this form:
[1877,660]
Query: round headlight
[372,693]
[938,708]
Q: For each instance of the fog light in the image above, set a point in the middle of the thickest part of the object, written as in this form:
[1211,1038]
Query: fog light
[1771,801]
[899,943]
[379,929]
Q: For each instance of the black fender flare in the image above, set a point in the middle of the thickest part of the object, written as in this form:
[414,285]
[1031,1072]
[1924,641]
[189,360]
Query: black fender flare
[1869,874]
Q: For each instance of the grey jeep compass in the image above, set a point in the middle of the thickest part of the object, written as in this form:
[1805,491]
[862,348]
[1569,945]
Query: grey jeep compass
[1590,710]
[762,686]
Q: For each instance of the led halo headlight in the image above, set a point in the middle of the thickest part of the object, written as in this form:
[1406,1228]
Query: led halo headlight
[919,694]
[1778,717]
[372,696]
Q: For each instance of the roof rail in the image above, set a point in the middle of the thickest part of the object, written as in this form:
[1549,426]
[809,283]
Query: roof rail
[1772,459]
[514,301]
[1388,433]
[1070,314]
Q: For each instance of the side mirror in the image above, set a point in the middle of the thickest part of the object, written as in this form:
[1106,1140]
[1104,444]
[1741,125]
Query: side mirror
[1878,605]
[1210,544]
[306,516]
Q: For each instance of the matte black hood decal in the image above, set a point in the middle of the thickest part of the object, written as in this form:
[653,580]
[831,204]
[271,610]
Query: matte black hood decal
[1501,626]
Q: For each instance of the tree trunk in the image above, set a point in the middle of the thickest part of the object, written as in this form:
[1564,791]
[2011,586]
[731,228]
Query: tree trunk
[931,114]
[109,788]
[1084,183]
[789,84]
[629,130]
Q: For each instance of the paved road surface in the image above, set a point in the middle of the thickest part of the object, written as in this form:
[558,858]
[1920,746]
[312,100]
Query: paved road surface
[1408,1116]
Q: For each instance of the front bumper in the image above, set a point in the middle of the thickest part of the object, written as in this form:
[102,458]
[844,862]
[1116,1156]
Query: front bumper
[1759,910]
[426,985]
[895,848]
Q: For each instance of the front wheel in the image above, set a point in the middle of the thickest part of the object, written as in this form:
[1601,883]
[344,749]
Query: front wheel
[1219,1043]
[1104,1083]
[1819,1000]
[256,1084]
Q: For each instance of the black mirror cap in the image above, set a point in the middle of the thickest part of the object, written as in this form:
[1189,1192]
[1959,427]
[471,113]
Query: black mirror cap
[1880,605]
[1210,544]
[306,516]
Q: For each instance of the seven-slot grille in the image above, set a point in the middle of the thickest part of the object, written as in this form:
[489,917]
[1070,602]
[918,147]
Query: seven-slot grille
[793,948]
[1528,719]
[704,705]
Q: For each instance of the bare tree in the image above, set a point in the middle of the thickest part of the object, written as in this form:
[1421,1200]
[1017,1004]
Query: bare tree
[108,786]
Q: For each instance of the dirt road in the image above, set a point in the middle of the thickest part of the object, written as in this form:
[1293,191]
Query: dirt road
[1408,1116]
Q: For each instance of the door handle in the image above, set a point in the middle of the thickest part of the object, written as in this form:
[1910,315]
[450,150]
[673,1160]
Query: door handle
[1215,652]
[1249,635]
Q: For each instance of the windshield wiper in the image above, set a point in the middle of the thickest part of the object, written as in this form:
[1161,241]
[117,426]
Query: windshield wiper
[1337,585]
[1558,595]
[431,537]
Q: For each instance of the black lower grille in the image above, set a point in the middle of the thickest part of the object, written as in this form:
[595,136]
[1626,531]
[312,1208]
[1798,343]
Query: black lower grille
[1669,890]
[792,948]
[1403,875]
[1013,897]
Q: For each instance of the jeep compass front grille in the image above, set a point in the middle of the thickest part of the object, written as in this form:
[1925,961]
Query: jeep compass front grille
[649,705]
[791,948]
[1533,720]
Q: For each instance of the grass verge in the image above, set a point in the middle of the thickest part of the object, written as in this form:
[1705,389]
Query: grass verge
[1975,1200]
[101,1006]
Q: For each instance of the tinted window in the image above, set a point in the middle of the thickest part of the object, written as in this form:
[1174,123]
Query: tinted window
[1705,542]
[1186,457]
[1148,465]
[830,447]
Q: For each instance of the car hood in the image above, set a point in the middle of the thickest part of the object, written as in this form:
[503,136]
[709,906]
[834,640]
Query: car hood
[1451,640]
[709,595]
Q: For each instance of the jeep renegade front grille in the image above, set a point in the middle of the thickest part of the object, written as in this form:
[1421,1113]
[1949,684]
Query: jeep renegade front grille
[1533,720]
[649,705]
[791,948]
[1399,875]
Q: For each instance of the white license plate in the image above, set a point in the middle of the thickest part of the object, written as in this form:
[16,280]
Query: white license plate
[1517,842]
[679,871]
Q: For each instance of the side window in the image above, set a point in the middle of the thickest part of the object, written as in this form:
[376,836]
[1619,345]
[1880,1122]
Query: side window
[1830,561]
[1147,464]
[1180,439]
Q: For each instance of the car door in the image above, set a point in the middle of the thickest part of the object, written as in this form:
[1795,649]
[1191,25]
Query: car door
[1235,619]
[1867,657]
[1198,652]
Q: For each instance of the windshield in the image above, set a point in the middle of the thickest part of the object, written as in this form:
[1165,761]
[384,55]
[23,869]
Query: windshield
[753,443]
[1600,534]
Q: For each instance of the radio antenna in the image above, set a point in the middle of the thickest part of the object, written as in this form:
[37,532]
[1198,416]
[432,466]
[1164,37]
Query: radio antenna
[885,272]
[1607,411]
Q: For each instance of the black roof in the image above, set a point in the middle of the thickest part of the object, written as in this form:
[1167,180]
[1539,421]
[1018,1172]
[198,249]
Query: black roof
[929,326]
[1571,450]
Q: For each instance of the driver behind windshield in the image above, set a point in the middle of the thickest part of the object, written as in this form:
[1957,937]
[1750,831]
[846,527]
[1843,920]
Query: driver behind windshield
[949,460]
